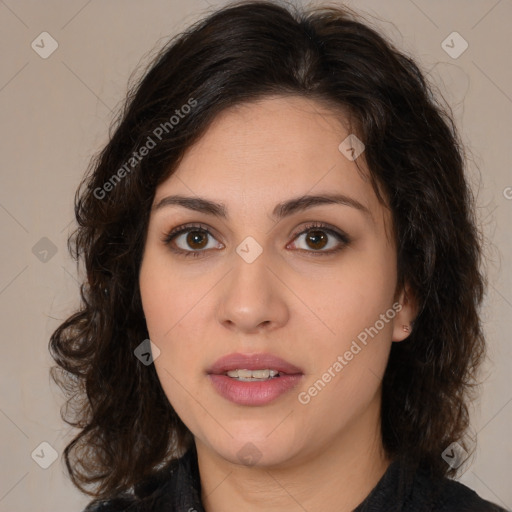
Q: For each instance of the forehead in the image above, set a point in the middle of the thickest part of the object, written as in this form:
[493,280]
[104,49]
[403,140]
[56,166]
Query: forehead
[257,154]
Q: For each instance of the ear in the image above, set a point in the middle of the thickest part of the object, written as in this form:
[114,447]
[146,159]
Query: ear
[403,321]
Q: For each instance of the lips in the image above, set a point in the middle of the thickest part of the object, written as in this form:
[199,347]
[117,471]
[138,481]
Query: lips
[255,392]
[253,362]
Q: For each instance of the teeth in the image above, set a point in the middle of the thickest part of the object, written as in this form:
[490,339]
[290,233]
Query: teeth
[247,375]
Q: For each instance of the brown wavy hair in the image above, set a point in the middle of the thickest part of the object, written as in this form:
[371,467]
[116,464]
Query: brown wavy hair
[240,53]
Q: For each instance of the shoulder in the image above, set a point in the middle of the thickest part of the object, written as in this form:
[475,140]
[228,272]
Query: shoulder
[117,504]
[447,495]
[121,503]
[146,496]
[458,497]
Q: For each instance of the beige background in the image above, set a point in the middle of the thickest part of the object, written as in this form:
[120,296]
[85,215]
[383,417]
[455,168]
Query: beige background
[55,114]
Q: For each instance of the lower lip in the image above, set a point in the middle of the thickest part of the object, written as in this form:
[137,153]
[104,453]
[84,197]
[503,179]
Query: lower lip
[253,393]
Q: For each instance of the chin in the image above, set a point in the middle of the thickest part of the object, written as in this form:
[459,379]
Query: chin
[258,450]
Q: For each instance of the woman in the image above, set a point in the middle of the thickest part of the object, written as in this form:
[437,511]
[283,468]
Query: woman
[282,300]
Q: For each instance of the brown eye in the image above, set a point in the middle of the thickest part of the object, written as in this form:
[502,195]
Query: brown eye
[191,241]
[319,239]
[197,239]
[316,239]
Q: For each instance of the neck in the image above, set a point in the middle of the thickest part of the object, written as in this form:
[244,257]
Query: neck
[338,476]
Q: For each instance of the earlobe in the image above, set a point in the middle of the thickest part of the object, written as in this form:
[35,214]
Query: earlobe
[404,319]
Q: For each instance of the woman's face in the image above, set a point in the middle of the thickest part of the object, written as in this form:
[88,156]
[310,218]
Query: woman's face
[310,282]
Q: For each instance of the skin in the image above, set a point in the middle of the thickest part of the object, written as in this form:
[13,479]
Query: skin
[291,301]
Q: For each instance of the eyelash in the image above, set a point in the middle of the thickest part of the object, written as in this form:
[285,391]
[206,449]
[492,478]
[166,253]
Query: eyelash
[339,235]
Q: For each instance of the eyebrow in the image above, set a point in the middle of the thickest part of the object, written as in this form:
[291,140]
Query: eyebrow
[281,210]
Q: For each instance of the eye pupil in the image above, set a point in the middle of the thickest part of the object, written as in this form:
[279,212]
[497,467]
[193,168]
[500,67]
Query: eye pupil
[196,239]
[318,238]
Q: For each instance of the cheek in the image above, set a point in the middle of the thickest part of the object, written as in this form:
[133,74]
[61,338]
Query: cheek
[169,303]
[177,338]
[360,290]
[347,369]
[165,296]
[352,295]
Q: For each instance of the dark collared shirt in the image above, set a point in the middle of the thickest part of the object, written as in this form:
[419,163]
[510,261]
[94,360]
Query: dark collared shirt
[177,488]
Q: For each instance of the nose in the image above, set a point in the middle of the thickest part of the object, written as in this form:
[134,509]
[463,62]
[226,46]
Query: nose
[252,298]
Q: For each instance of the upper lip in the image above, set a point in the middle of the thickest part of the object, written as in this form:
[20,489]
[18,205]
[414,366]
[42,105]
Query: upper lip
[252,362]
